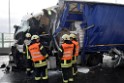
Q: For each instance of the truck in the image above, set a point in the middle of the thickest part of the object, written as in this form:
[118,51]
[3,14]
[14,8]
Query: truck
[98,26]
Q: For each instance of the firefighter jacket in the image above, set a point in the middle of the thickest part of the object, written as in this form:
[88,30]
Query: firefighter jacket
[74,60]
[25,48]
[67,51]
[38,54]
[77,47]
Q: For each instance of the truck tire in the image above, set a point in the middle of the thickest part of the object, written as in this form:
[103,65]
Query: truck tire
[94,59]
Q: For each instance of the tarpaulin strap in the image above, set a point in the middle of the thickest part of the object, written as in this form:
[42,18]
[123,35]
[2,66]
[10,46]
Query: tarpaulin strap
[37,78]
[46,73]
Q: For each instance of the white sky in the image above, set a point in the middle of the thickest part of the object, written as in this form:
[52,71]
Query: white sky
[19,8]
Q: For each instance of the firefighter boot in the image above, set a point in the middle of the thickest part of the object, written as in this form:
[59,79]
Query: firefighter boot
[38,81]
[45,81]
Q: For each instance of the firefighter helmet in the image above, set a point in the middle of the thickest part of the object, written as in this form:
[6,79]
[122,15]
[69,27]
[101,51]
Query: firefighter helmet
[34,37]
[28,35]
[65,37]
[72,35]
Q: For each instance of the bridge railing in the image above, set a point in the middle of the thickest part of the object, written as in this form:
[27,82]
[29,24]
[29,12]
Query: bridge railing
[6,40]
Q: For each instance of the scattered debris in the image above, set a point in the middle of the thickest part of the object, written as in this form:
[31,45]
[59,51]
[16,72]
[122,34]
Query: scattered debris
[7,69]
[3,65]
[83,70]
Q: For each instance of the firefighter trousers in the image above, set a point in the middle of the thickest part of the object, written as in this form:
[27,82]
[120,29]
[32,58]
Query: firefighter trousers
[29,67]
[67,74]
[74,69]
[41,74]
[74,65]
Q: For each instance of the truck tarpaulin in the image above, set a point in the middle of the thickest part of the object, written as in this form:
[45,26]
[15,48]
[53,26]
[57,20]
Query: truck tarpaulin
[108,27]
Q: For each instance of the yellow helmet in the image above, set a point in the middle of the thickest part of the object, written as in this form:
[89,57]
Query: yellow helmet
[27,35]
[72,35]
[65,37]
[35,37]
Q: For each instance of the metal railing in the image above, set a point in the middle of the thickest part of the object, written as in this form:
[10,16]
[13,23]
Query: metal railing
[6,40]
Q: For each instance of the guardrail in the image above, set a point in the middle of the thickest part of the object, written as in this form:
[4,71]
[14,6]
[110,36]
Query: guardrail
[6,41]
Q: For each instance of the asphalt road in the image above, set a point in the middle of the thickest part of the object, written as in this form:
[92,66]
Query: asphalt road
[96,75]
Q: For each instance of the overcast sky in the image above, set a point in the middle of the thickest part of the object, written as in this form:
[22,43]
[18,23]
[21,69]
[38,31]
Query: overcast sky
[18,9]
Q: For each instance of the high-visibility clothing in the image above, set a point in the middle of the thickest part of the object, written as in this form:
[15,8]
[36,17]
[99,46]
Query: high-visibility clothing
[35,52]
[40,64]
[67,51]
[27,54]
[77,47]
[65,64]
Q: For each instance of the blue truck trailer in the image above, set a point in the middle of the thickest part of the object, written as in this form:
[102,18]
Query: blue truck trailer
[102,23]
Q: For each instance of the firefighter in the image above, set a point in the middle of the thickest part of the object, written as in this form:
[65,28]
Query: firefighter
[29,65]
[66,53]
[74,60]
[39,56]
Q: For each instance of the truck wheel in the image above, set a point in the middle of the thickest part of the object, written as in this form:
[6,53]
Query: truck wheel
[93,59]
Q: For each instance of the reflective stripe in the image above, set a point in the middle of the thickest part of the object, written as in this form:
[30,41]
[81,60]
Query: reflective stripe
[28,69]
[74,60]
[40,64]
[38,56]
[37,78]
[65,81]
[60,49]
[32,71]
[41,47]
[67,54]
[66,65]
[46,73]
[64,62]
[44,78]
[36,53]
[46,55]
[73,72]
[28,57]
[71,79]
